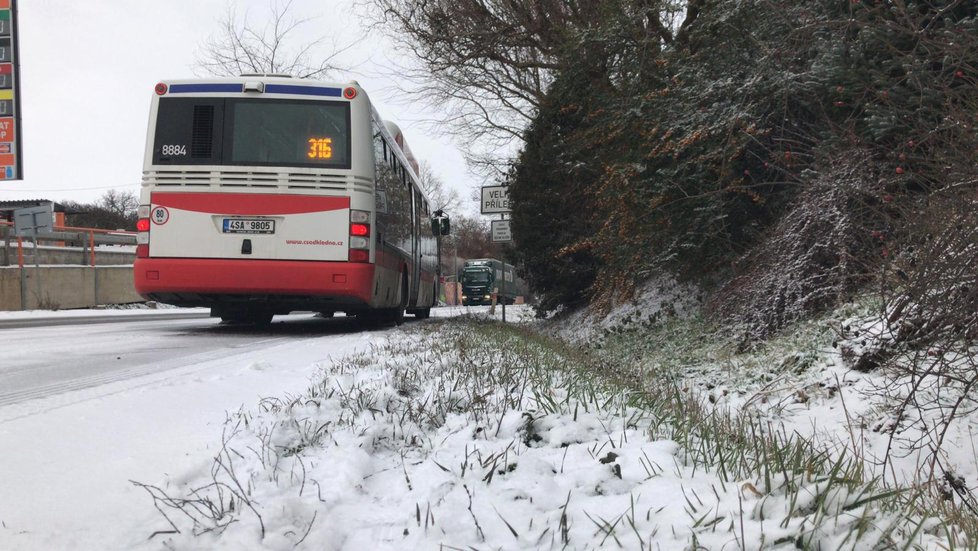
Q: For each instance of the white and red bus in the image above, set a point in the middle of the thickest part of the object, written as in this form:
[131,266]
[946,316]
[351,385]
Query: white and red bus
[263,195]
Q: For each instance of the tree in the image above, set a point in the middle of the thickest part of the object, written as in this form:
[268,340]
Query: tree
[274,47]
[114,210]
[441,197]
[120,203]
[488,64]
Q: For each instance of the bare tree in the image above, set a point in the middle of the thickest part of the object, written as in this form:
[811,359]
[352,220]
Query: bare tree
[114,210]
[442,198]
[470,239]
[271,47]
[487,64]
[118,202]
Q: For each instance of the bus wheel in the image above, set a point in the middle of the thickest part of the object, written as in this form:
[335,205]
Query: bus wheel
[396,315]
[425,313]
[260,319]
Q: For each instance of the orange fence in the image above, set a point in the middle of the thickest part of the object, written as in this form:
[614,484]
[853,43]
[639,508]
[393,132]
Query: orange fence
[61,234]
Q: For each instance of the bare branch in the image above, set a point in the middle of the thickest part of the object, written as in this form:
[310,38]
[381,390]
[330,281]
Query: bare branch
[272,47]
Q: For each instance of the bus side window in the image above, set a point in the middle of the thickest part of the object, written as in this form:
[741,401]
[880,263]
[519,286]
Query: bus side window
[379,153]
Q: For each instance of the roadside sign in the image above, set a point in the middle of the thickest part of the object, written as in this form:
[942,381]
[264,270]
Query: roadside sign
[501,232]
[495,199]
[28,222]
[11,163]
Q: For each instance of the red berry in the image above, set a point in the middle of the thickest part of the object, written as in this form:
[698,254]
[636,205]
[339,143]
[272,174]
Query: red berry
[959,74]
[899,170]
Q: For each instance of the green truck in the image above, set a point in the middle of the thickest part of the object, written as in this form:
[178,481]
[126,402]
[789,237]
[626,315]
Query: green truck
[481,276]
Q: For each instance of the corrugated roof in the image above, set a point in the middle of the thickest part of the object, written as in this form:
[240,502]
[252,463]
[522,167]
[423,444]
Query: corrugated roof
[13,205]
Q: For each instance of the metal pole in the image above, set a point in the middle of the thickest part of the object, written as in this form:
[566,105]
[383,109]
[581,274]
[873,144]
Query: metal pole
[91,244]
[23,273]
[37,267]
[6,245]
[503,217]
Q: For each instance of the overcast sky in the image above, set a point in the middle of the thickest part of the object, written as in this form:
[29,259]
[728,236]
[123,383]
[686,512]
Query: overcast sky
[88,71]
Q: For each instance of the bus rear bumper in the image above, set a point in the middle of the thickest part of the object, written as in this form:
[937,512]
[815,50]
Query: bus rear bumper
[283,285]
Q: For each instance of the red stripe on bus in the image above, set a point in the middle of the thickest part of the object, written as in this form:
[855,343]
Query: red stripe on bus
[249,203]
[251,277]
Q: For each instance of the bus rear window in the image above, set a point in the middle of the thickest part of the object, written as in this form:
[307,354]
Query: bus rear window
[252,132]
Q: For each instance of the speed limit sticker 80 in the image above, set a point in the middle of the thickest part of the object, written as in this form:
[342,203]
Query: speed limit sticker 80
[160,216]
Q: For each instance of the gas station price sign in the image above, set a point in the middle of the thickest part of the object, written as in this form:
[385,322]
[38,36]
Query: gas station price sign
[10,142]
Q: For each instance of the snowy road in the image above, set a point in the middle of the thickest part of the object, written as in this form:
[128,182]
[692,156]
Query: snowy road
[86,408]
[53,355]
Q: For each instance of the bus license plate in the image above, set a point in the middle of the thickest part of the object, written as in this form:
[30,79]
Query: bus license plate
[246,225]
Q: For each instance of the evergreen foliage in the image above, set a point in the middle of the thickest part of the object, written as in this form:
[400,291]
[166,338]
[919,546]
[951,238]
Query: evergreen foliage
[550,195]
[686,151]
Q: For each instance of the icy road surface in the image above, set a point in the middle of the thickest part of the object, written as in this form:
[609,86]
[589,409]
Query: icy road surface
[85,408]
[45,356]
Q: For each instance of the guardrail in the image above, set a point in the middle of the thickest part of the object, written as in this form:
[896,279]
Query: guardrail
[64,236]
[69,267]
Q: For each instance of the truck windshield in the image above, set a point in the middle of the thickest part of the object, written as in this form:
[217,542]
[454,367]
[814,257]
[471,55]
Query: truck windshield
[475,276]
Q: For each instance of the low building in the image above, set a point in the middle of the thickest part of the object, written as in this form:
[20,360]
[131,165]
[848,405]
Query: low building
[7,209]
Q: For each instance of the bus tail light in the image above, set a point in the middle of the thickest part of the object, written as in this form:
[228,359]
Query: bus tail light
[359,255]
[359,236]
[142,232]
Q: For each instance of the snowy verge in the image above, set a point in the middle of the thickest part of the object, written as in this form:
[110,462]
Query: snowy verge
[469,434]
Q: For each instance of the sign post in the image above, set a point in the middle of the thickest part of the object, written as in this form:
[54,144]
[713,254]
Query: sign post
[11,162]
[28,222]
[495,199]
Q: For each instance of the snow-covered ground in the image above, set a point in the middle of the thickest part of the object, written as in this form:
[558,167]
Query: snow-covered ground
[66,460]
[403,438]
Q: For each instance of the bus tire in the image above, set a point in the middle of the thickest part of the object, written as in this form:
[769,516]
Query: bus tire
[260,319]
[397,314]
[425,313]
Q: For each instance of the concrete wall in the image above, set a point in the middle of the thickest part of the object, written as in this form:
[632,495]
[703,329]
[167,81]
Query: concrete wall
[54,287]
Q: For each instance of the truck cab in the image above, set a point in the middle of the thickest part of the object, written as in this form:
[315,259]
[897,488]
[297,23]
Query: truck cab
[478,282]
